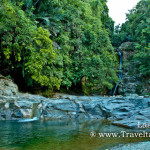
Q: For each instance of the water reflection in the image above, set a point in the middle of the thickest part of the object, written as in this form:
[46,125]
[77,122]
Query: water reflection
[58,134]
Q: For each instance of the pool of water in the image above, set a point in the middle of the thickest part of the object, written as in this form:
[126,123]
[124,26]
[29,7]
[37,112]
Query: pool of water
[60,135]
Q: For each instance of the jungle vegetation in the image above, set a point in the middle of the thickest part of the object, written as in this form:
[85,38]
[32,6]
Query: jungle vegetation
[137,29]
[68,44]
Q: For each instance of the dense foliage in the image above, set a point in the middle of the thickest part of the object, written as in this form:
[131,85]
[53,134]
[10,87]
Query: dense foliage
[121,34]
[137,30]
[26,50]
[79,29]
[81,54]
[139,20]
[67,43]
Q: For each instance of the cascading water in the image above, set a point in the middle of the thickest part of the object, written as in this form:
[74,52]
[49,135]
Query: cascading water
[34,116]
[29,120]
[120,72]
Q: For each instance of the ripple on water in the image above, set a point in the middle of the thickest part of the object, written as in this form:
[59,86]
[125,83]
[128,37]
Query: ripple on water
[58,135]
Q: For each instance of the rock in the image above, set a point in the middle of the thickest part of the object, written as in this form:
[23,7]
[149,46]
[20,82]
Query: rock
[126,46]
[64,105]
[8,114]
[120,98]
[123,111]
[140,117]
[55,114]
[127,123]
[17,114]
[3,115]
[132,81]
[129,95]
[64,96]
[25,104]
[27,113]
[146,96]
[133,146]
[145,112]
[8,88]
[7,105]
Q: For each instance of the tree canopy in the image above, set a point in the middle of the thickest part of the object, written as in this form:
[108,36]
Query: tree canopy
[26,50]
[53,43]
[69,43]
[139,20]
[137,30]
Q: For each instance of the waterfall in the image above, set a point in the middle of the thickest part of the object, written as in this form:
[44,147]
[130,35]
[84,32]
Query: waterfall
[120,72]
[34,116]
[29,120]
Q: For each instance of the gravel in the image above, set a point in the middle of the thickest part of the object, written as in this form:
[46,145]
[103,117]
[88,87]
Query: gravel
[133,146]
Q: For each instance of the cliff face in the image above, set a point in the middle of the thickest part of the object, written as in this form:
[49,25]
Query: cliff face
[132,81]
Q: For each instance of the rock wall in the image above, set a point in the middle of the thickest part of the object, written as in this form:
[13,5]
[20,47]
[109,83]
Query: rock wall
[132,81]
[126,111]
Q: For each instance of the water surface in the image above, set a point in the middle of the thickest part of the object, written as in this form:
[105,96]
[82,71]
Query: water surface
[59,135]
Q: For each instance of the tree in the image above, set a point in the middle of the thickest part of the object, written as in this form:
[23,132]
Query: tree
[136,29]
[139,20]
[26,50]
[80,30]
[81,49]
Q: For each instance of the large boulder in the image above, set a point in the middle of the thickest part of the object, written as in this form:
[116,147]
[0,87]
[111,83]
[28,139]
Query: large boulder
[8,88]
[123,111]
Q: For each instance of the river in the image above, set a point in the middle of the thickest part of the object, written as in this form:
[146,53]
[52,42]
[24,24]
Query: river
[60,135]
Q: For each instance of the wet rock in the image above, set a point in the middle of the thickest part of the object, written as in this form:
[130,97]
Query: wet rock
[3,115]
[27,113]
[127,123]
[146,96]
[17,114]
[55,114]
[85,116]
[7,105]
[8,114]
[123,111]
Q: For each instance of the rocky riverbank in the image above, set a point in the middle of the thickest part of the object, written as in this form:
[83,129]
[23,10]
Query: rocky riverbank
[133,146]
[123,111]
